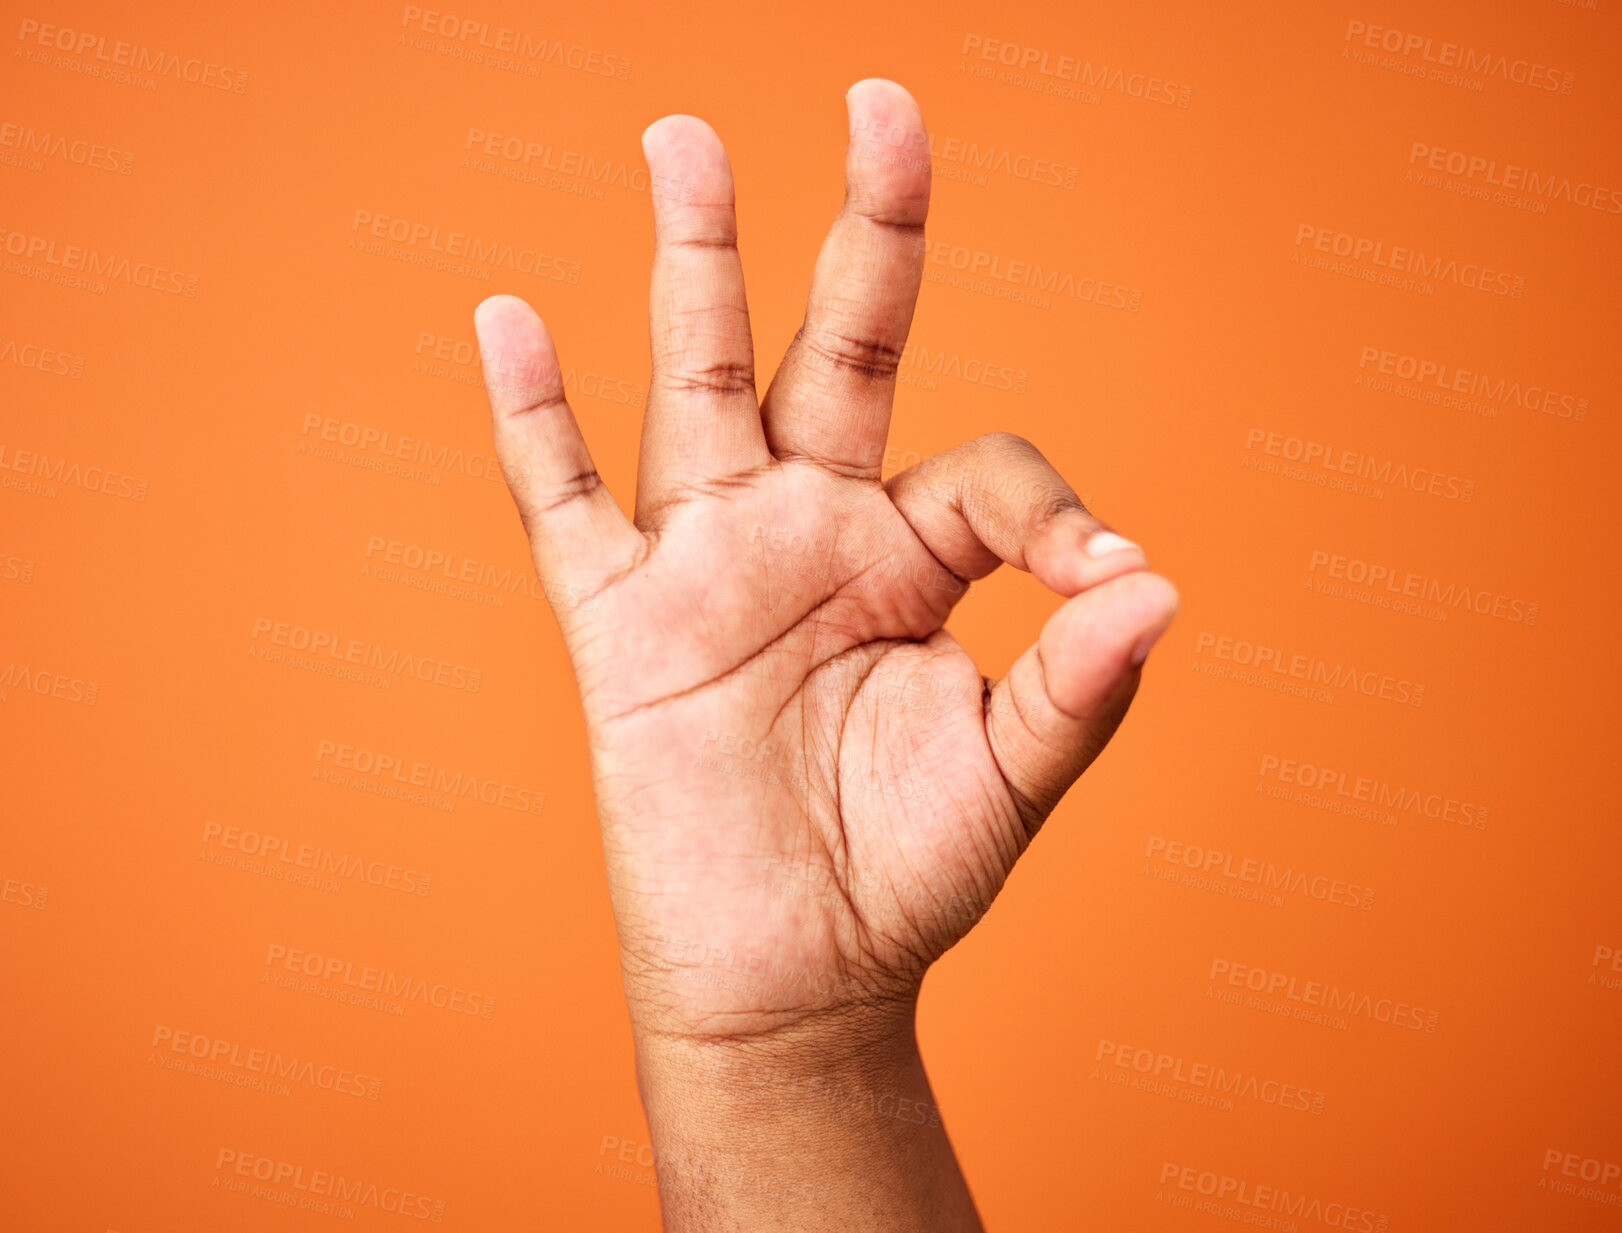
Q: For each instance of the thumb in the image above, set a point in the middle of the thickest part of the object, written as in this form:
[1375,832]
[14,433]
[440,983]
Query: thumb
[1064,697]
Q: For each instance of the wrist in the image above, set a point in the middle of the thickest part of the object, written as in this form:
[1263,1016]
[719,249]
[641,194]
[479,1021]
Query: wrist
[727,999]
[821,1069]
[760,1134]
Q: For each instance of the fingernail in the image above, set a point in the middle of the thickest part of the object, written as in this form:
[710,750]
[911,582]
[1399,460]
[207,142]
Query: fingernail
[1106,542]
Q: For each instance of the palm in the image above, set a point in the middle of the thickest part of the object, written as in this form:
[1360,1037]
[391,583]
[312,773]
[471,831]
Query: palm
[829,815]
[807,791]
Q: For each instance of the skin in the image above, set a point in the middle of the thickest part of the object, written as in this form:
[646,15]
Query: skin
[807,791]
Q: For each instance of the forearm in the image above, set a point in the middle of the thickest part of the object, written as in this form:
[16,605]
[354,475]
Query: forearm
[814,1133]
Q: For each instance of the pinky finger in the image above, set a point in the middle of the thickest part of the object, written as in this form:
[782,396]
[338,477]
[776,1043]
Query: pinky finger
[578,535]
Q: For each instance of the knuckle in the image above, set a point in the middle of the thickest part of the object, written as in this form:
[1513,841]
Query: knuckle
[1057,504]
[697,225]
[901,213]
[720,377]
[866,355]
[703,240]
[550,497]
[1025,478]
[1009,444]
[548,399]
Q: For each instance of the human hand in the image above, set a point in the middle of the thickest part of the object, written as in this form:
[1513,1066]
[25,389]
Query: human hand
[807,791]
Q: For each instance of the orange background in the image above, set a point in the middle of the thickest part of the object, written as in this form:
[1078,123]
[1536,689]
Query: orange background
[520,1120]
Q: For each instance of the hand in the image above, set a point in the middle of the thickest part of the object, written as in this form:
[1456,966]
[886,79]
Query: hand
[807,791]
